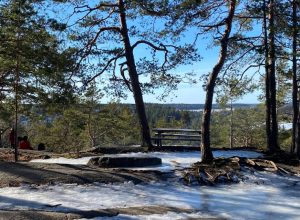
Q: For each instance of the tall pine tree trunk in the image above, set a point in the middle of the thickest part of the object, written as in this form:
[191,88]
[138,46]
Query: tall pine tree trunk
[272,80]
[296,89]
[206,152]
[134,78]
[267,80]
[17,79]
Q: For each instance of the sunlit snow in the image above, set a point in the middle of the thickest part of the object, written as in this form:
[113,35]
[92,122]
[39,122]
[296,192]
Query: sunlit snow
[170,160]
[261,196]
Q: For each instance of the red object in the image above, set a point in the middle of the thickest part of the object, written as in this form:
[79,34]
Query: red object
[25,145]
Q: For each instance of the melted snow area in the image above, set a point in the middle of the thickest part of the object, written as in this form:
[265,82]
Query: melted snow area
[260,196]
[170,161]
[264,196]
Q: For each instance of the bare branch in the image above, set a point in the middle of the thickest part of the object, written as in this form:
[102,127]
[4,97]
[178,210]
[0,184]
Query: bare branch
[238,59]
[88,13]
[127,82]
[250,67]
[93,41]
[161,47]
[105,67]
[208,27]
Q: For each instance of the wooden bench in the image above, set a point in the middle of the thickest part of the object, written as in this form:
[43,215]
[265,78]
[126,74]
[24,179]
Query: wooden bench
[173,134]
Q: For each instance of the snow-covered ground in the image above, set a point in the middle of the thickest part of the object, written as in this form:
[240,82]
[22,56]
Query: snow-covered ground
[261,196]
[170,160]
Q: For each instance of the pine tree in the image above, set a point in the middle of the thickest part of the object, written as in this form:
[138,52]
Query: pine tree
[29,53]
[110,34]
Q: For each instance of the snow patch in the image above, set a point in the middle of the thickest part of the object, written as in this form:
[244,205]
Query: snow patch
[170,160]
[63,160]
[262,196]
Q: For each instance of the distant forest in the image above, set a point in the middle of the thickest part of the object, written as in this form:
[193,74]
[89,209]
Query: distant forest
[189,107]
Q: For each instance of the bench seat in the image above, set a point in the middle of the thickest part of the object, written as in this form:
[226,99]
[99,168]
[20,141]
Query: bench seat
[174,134]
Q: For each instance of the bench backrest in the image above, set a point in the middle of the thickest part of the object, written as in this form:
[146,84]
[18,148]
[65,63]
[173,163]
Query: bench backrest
[174,134]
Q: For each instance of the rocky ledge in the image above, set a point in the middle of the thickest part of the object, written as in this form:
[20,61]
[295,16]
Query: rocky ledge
[228,170]
[111,161]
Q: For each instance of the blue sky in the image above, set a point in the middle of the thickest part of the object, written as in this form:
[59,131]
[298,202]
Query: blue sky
[189,94]
[193,93]
[186,93]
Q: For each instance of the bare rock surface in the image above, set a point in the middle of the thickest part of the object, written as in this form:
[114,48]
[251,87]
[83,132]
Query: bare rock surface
[14,174]
[110,161]
[48,215]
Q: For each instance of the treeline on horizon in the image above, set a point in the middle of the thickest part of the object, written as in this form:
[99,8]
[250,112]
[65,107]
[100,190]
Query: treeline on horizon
[81,126]
[182,106]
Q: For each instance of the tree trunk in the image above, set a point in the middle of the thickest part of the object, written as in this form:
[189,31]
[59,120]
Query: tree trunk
[267,86]
[295,143]
[206,152]
[17,79]
[134,80]
[296,118]
[272,80]
[16,141]
[90,132]
[231,125]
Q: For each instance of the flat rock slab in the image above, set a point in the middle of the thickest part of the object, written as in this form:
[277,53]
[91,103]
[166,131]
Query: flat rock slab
[48,215]
[14,174]
[77,214]
[111,161]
